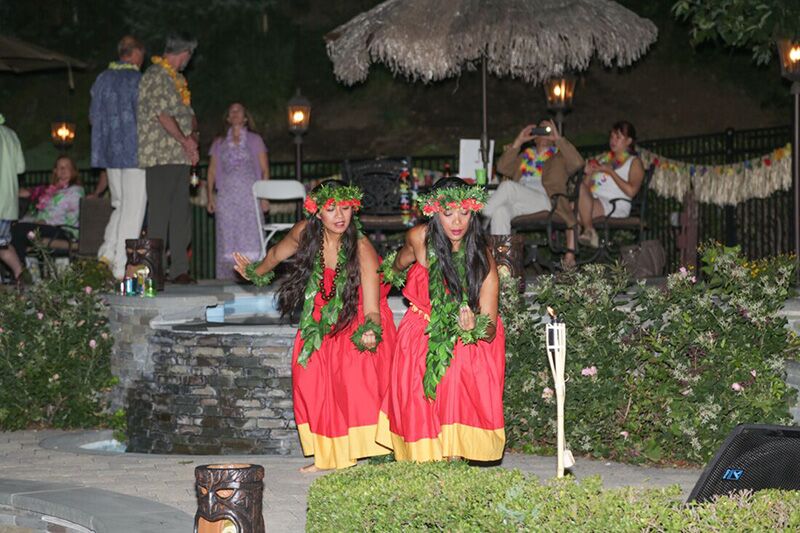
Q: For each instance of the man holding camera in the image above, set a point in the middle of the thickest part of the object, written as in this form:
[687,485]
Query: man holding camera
[539,161]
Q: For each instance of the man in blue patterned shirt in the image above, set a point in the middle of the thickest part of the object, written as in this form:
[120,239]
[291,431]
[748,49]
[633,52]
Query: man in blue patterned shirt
[115,96]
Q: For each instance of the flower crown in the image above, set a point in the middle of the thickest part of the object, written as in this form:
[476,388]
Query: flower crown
[469,198]
[327,196]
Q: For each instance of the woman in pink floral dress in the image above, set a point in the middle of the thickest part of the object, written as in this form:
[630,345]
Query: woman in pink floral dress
[238,160]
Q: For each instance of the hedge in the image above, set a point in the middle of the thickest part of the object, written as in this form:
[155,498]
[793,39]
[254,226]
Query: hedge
[456,497]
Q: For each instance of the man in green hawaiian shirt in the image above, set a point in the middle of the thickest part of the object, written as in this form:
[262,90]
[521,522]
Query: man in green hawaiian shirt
[167,134]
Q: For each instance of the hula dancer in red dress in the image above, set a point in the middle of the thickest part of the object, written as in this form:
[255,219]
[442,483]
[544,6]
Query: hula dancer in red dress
[344,344]
[445,397]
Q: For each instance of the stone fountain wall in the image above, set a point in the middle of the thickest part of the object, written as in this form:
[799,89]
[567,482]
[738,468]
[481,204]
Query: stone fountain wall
[216,394]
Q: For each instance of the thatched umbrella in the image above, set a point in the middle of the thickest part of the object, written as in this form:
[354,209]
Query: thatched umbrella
[19,56]
[430,40]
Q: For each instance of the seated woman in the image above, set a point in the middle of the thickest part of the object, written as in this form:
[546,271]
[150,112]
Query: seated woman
[445,395]
[617,174]
[53,206]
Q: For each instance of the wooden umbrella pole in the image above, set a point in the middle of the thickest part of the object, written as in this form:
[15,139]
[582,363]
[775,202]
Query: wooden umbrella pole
[485,132]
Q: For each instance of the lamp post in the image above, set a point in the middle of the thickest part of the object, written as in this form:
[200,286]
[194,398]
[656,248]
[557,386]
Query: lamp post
[559,92]
[62,133]
[299,115]
[789,52]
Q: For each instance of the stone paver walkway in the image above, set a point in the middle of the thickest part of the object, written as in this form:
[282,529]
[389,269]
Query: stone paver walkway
[169,480]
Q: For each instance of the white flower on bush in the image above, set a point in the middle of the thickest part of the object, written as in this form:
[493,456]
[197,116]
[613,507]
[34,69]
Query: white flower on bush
[624,434]
[547,393]
[738,387]
[55,377]
[589,371]
[753,373]
[40,315]
[92,344]
[104,335]
[87,289]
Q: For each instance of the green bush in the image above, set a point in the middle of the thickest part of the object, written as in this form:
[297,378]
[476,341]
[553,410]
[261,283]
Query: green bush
[55,352]
[456,497]
[654,374]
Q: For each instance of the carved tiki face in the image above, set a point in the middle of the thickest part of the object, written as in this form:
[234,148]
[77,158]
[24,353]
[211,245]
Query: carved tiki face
[232,492]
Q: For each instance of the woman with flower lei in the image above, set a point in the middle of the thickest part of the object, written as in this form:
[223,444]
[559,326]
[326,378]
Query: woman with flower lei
[54,208]
[343,347]
[445,397]
[610,182]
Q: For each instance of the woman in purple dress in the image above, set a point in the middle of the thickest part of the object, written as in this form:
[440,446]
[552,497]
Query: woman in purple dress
[237,160]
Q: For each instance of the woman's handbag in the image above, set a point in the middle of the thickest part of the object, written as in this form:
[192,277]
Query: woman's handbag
[644,260]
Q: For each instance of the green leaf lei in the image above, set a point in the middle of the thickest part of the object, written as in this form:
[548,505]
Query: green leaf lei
[369,325]
[311,331]
[390,275]
[443,329]
[259,280]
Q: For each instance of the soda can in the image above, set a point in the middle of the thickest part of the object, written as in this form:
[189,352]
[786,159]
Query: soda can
[140,283]
[149,288]
[129,287]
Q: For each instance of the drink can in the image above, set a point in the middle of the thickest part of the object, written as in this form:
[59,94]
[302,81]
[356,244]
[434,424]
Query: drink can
[149,288]
[480,176]
[129,287]
[140,283]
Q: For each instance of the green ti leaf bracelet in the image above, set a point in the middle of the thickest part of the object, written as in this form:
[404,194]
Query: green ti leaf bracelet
[369,325]
[259,280]
[390,275]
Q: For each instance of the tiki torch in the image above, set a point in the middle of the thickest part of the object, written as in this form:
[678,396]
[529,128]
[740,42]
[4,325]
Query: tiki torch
[556,339]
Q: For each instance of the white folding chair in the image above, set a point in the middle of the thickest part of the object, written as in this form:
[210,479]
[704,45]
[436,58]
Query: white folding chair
[275,190]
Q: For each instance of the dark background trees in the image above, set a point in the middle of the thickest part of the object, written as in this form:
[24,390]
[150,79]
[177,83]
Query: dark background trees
[260,51]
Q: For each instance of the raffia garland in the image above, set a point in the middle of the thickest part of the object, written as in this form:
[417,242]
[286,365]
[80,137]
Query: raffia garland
[721,184]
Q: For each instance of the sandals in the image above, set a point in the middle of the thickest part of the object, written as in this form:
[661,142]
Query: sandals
[589,238]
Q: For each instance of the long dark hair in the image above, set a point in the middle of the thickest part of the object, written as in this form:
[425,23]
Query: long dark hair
[475,249]
[291,293]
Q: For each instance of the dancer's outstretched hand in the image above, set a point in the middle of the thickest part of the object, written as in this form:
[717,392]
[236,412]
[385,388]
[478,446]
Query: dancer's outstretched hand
[241,264]
[466,318]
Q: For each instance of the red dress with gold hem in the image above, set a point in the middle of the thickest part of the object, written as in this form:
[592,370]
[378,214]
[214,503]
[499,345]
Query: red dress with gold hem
[337,395]
[466,418]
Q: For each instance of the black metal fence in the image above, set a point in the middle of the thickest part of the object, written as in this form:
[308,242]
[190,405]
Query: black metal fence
[761,226]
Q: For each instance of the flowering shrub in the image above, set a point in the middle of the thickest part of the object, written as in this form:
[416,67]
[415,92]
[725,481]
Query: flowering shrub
[657,373]
[55,352]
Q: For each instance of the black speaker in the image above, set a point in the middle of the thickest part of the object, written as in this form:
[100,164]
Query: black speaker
[753,457]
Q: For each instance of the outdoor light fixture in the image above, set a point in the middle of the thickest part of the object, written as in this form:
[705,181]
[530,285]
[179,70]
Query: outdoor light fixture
[62,133]
[299,109]
[789,52]
[559,92]
[299,115]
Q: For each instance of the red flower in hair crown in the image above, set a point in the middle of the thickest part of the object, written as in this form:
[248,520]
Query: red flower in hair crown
[327,197]
[469,198]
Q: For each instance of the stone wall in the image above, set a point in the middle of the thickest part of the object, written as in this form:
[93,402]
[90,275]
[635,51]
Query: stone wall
[215,394]
[129,320]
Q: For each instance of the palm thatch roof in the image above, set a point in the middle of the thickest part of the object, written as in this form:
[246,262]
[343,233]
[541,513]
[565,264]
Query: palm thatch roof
[430,40]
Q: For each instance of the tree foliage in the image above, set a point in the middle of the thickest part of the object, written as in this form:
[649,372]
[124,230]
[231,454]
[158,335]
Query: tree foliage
[753,24]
